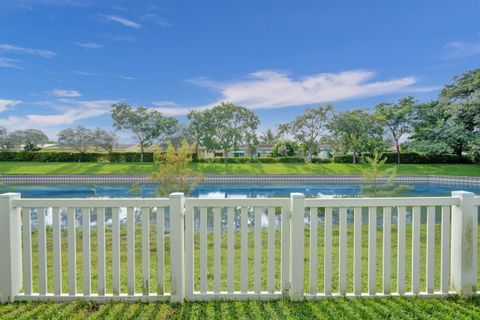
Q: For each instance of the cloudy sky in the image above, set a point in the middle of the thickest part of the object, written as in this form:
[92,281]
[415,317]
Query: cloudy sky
[65,62]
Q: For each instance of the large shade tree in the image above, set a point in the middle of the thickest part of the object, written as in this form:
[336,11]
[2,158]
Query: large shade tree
[30,139]
[308,128]
[357,131]
[397,118]
[79,138]
[224,127]
[145,124]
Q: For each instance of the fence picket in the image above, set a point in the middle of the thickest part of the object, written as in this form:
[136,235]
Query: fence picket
[130,251]
[189,254]
[230,249]
[203,250]
[416,227]
[27,250]
[244,248]
[387,249]
[401,250]
[372,245]
[86,260]
[145,251]
[445,250]
[116,251]
[72,252]
[342,254]
[357,251]
[216,249]
[313,250]
[42,251]
[57,252]
[430,269]
[257,258]
[101,251]
[271,250]
[327,277]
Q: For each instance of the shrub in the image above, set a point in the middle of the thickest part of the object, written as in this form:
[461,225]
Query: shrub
[411,158]
[64,156]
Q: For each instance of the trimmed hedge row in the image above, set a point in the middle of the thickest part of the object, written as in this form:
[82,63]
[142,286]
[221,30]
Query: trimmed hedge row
[261,160]
[61,156]
[409,158]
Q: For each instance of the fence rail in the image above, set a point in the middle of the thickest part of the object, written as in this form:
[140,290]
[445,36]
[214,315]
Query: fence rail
[263,248]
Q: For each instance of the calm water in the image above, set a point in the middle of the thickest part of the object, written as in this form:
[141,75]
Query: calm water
[214,191]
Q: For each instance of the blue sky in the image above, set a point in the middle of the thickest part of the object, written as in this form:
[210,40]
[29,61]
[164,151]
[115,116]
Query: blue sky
[64,62]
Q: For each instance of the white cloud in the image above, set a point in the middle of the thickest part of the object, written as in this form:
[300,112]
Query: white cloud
[459,49]
[124,77]
[70,111]
[65,93]
[9,63]
[123,21]
[86,74]
[272,89]
[4,104]
[89,45]
[37,52]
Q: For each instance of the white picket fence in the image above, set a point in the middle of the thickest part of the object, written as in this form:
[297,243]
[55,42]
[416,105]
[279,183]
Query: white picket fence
[277,226]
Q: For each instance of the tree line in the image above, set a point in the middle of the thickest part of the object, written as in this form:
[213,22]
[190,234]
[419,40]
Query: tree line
[448,124]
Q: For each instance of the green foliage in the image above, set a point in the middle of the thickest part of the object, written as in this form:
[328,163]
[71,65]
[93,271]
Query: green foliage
[173,173]
[145,124]
[411,158]
[284,148]
[397,118]
[378,181]
[269,137]
[356,131]
[308,128]
[63,156]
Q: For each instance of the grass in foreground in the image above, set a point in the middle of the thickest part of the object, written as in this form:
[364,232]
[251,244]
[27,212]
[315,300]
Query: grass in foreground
[388,308]
[216,168]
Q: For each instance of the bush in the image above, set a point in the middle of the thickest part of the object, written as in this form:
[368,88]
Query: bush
[63,156]
[411,158]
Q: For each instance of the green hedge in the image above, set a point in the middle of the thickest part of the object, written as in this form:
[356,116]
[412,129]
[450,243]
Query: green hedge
[61,156]
[409,158]
[261,160]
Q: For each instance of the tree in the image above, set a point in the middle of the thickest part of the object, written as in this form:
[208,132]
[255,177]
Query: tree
[357,131]
[29,139]
[200,130]
[230,126]
[145,124]
[103,139]
[284,148]
[175,134]
[79,138]
[269,137]
[380,182]
[173,173]
[308,128]
[397,118]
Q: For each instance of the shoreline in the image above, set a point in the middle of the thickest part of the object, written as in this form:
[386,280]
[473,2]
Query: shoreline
[234,179]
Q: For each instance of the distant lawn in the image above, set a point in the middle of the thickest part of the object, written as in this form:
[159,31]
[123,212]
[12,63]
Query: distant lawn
[216,168]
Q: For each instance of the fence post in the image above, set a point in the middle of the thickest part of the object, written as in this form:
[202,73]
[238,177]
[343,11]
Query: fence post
[297,243]
[463,246]
[10,248]
[177,252]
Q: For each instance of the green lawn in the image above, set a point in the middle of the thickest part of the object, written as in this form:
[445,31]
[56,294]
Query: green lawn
[390,308]
[360,308]
[209,168]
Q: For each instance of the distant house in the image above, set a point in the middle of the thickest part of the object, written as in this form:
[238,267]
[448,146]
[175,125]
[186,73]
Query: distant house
[263,150]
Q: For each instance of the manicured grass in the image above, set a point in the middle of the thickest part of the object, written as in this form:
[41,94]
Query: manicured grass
[216,168]
[394,308]
[389,308]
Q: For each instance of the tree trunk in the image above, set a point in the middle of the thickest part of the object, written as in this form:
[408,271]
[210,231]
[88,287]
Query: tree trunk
[398,151]
[225,155]
[354,157]
[141,152]
[309,158]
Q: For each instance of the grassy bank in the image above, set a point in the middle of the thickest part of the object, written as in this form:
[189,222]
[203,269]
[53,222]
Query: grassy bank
[215,168]
[392,308]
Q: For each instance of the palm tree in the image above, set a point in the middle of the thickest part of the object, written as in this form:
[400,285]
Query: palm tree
[268,137]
